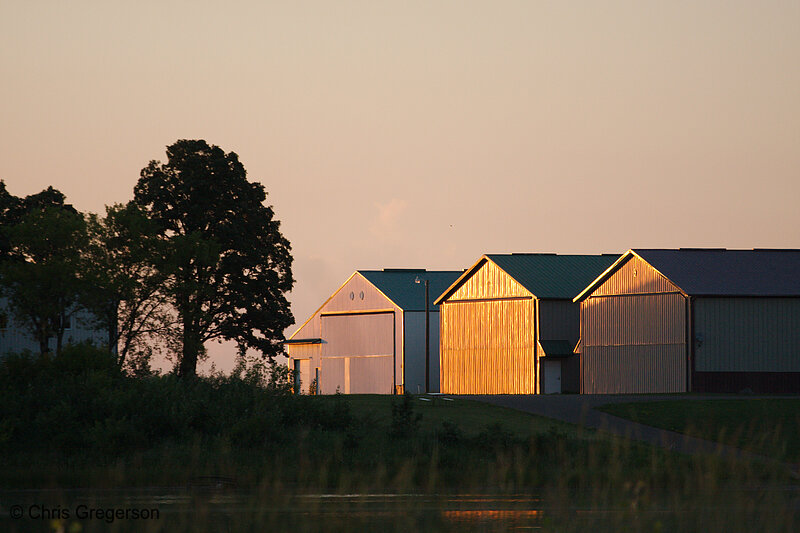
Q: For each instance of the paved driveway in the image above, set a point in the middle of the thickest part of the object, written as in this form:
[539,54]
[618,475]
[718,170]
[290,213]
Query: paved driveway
[580,409]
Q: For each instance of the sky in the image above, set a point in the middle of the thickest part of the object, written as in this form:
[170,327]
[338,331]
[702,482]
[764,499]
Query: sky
[423,134]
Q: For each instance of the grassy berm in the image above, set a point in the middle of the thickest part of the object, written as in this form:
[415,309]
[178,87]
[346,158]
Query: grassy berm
[76,421]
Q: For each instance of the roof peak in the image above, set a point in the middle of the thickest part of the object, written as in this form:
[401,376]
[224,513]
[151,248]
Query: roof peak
[553,254]
[692,249]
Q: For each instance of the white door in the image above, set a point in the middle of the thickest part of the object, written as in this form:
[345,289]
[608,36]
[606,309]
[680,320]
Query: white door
[552,376]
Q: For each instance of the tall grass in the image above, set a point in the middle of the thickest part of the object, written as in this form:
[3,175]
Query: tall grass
[243,456]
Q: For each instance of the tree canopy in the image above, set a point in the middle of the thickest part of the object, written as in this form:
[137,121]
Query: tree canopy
[40,273]
[227,266]
[123,287]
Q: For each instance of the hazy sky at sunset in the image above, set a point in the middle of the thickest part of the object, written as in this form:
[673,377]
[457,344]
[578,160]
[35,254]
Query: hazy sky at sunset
[423,134]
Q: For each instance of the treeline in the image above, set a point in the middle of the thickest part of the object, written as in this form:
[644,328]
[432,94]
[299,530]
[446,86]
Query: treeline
[195,256]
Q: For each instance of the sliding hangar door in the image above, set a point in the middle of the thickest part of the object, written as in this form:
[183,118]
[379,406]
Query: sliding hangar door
[358,352]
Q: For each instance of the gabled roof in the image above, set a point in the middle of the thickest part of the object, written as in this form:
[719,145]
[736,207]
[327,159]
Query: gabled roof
[549,276]
[399,285]
[719,272]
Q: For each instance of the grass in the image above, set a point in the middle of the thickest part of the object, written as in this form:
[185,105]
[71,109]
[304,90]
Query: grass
[770,427]
[238,454]
[470,416]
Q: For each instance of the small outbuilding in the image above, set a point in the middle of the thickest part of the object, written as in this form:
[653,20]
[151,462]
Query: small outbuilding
[701,320]
[509,324]
[370,335]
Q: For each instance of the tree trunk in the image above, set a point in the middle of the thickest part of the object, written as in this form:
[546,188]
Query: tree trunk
[40,326]
[191,348]
[113,332]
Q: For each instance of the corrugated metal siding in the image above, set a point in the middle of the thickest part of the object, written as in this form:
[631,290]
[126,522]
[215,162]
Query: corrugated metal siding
[633,369]
[488,347]
[571,374]
[349,297]
[352,335]
[747,334]
[634,320]
[370,375]
[356,375]
[635,277]
[309,330]
[304,351]
[415,351]
[633,334]
[331,375]
[368,334]
[559,320]
[488,282]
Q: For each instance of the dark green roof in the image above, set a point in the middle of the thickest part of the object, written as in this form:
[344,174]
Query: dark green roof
[557,348]
[400,287]
[552,275]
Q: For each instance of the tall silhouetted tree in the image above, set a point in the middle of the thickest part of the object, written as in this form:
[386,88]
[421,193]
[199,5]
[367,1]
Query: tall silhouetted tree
[123,288]
[227,264]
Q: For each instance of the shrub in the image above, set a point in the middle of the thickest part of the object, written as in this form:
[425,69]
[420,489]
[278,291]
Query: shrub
[405,421]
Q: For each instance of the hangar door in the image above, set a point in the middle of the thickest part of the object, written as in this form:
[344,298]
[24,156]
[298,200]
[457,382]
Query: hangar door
[488,346]
[357,353]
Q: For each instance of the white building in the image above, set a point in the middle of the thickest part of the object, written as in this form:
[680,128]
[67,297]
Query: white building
[369,336]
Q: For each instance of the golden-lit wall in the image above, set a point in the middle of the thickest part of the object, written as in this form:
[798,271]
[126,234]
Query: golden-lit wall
[633,334]
[489,281]
[488,346]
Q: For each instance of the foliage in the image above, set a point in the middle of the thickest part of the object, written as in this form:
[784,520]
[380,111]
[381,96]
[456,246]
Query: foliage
[77,420]
[13,208]
[405,420]
[228,267]
[123,287]
[41,273]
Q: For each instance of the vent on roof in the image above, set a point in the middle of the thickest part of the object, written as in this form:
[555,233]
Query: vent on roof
[404,270]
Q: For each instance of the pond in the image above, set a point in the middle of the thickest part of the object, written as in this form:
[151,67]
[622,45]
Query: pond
[227,509]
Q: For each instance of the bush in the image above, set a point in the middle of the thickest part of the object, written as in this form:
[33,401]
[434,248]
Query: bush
[405,422]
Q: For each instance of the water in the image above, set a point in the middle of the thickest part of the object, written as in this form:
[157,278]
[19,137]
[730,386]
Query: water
[180,509]
[220,508]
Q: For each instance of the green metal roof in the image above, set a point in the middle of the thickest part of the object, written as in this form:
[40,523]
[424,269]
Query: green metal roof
[552,275]
[557,348]
[399,285]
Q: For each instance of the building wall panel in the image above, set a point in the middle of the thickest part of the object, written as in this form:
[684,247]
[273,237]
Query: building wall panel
[488,347]
[331,375]
[349,297]
[489,281]
[304,351]
[415,351]
[635,277]
[633,369]
[370,375]
[633,334]
[352,335]
[633,320]
[559,320]
[747,334]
